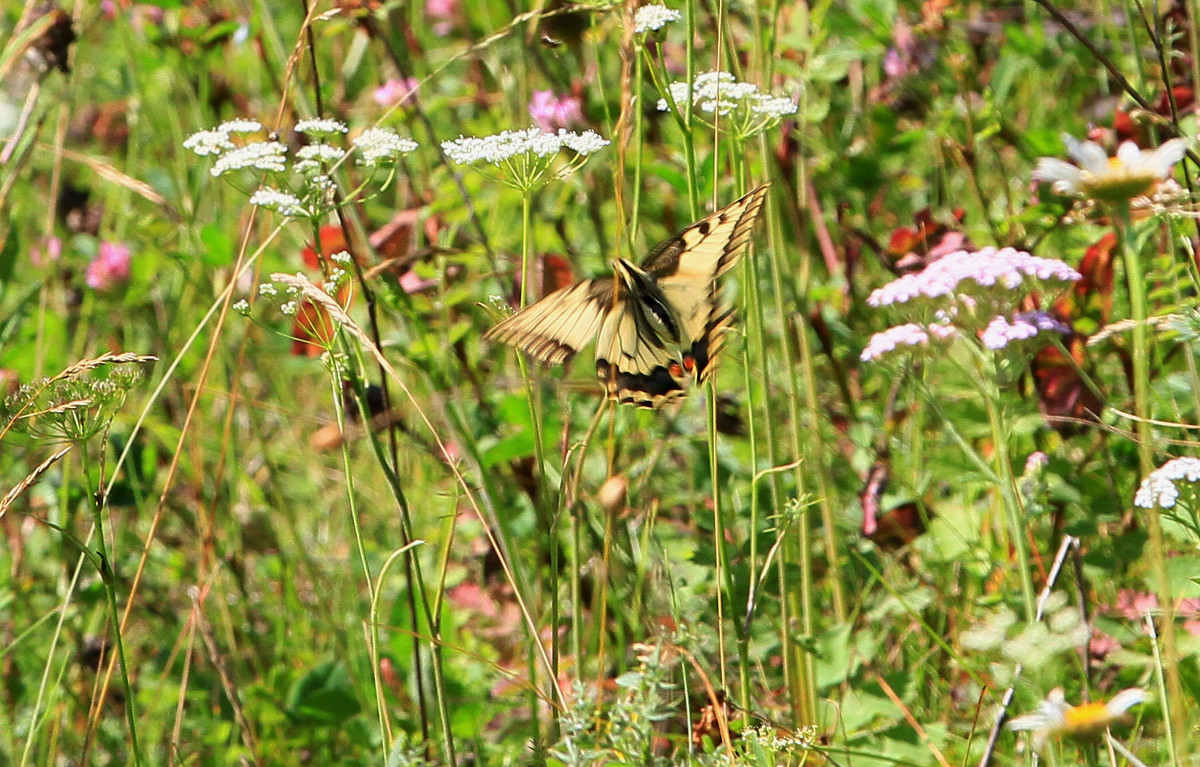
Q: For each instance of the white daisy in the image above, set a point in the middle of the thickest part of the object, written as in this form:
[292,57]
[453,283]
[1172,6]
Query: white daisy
[1133,172]
[1055,718]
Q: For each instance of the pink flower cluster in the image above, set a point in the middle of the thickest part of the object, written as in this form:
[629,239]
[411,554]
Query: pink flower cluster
[110,267]
[970,292]
[552,112]
[908,335]
[1000,332]
[396,91]
[1133,606]
[967,272]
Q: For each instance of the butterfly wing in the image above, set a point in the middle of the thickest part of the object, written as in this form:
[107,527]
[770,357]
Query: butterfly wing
[631,359]
[555,328]
[687,267]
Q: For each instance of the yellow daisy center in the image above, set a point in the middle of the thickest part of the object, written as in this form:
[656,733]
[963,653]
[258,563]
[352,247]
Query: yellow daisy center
[1087,717]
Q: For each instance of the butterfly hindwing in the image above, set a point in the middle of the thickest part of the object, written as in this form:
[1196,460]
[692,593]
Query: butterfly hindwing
[631,359]
[555,328]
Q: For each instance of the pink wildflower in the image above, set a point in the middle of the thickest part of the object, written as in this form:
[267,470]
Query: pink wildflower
[908,335]
[1007,268]
[444,13]
[1000,332]
[111,266]
[52,252]
[1134,605]
[396,91]
[551,112]
[1037,462]
[1101,645]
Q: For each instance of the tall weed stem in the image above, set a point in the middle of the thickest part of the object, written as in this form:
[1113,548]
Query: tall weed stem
[1139,313]
[108,578]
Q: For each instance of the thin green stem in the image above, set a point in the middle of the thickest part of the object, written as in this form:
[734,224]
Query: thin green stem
[1139,313]
[1007,482]
[108,578]
[385,728]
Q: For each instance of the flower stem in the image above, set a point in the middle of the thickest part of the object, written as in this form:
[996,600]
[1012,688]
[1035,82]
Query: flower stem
[1139,312]
[1008,485]
[108,578]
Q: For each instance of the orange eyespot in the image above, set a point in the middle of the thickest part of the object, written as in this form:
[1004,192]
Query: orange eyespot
[675,369]
[689,363]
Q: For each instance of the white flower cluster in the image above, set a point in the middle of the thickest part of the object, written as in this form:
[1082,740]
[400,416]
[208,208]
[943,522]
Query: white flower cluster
[281,202]
[721,93]
[380,145]
[1159,489]
[319,153]
[240,126]
[321,127]
[313,192]
[260,155]
[651,18]
[502,147]
[208,142]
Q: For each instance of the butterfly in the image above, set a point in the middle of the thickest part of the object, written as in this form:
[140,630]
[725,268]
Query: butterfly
[654,323]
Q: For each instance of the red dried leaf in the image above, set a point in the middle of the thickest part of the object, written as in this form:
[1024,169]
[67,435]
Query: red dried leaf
[1063,398]
[332,240]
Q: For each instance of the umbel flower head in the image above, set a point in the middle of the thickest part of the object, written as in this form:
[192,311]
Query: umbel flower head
[1131,173]
[651,18]
[1055,718]
[741,107]
[78,403]
[1161,488]
[525,157]
[304,187]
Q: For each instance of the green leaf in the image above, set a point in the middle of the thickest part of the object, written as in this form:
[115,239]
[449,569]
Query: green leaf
[8,258]
[218,246]
[323,696]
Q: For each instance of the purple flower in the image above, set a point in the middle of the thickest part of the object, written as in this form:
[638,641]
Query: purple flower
[908,335]
[110,266]
[1000,332]
[967,272]
[396,91]
[551,112]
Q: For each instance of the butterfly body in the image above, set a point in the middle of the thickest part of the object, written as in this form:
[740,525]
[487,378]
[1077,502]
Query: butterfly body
[654,323]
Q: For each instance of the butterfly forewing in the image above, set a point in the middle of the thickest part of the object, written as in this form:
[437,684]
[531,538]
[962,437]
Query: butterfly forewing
[555,328]
[688,266]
